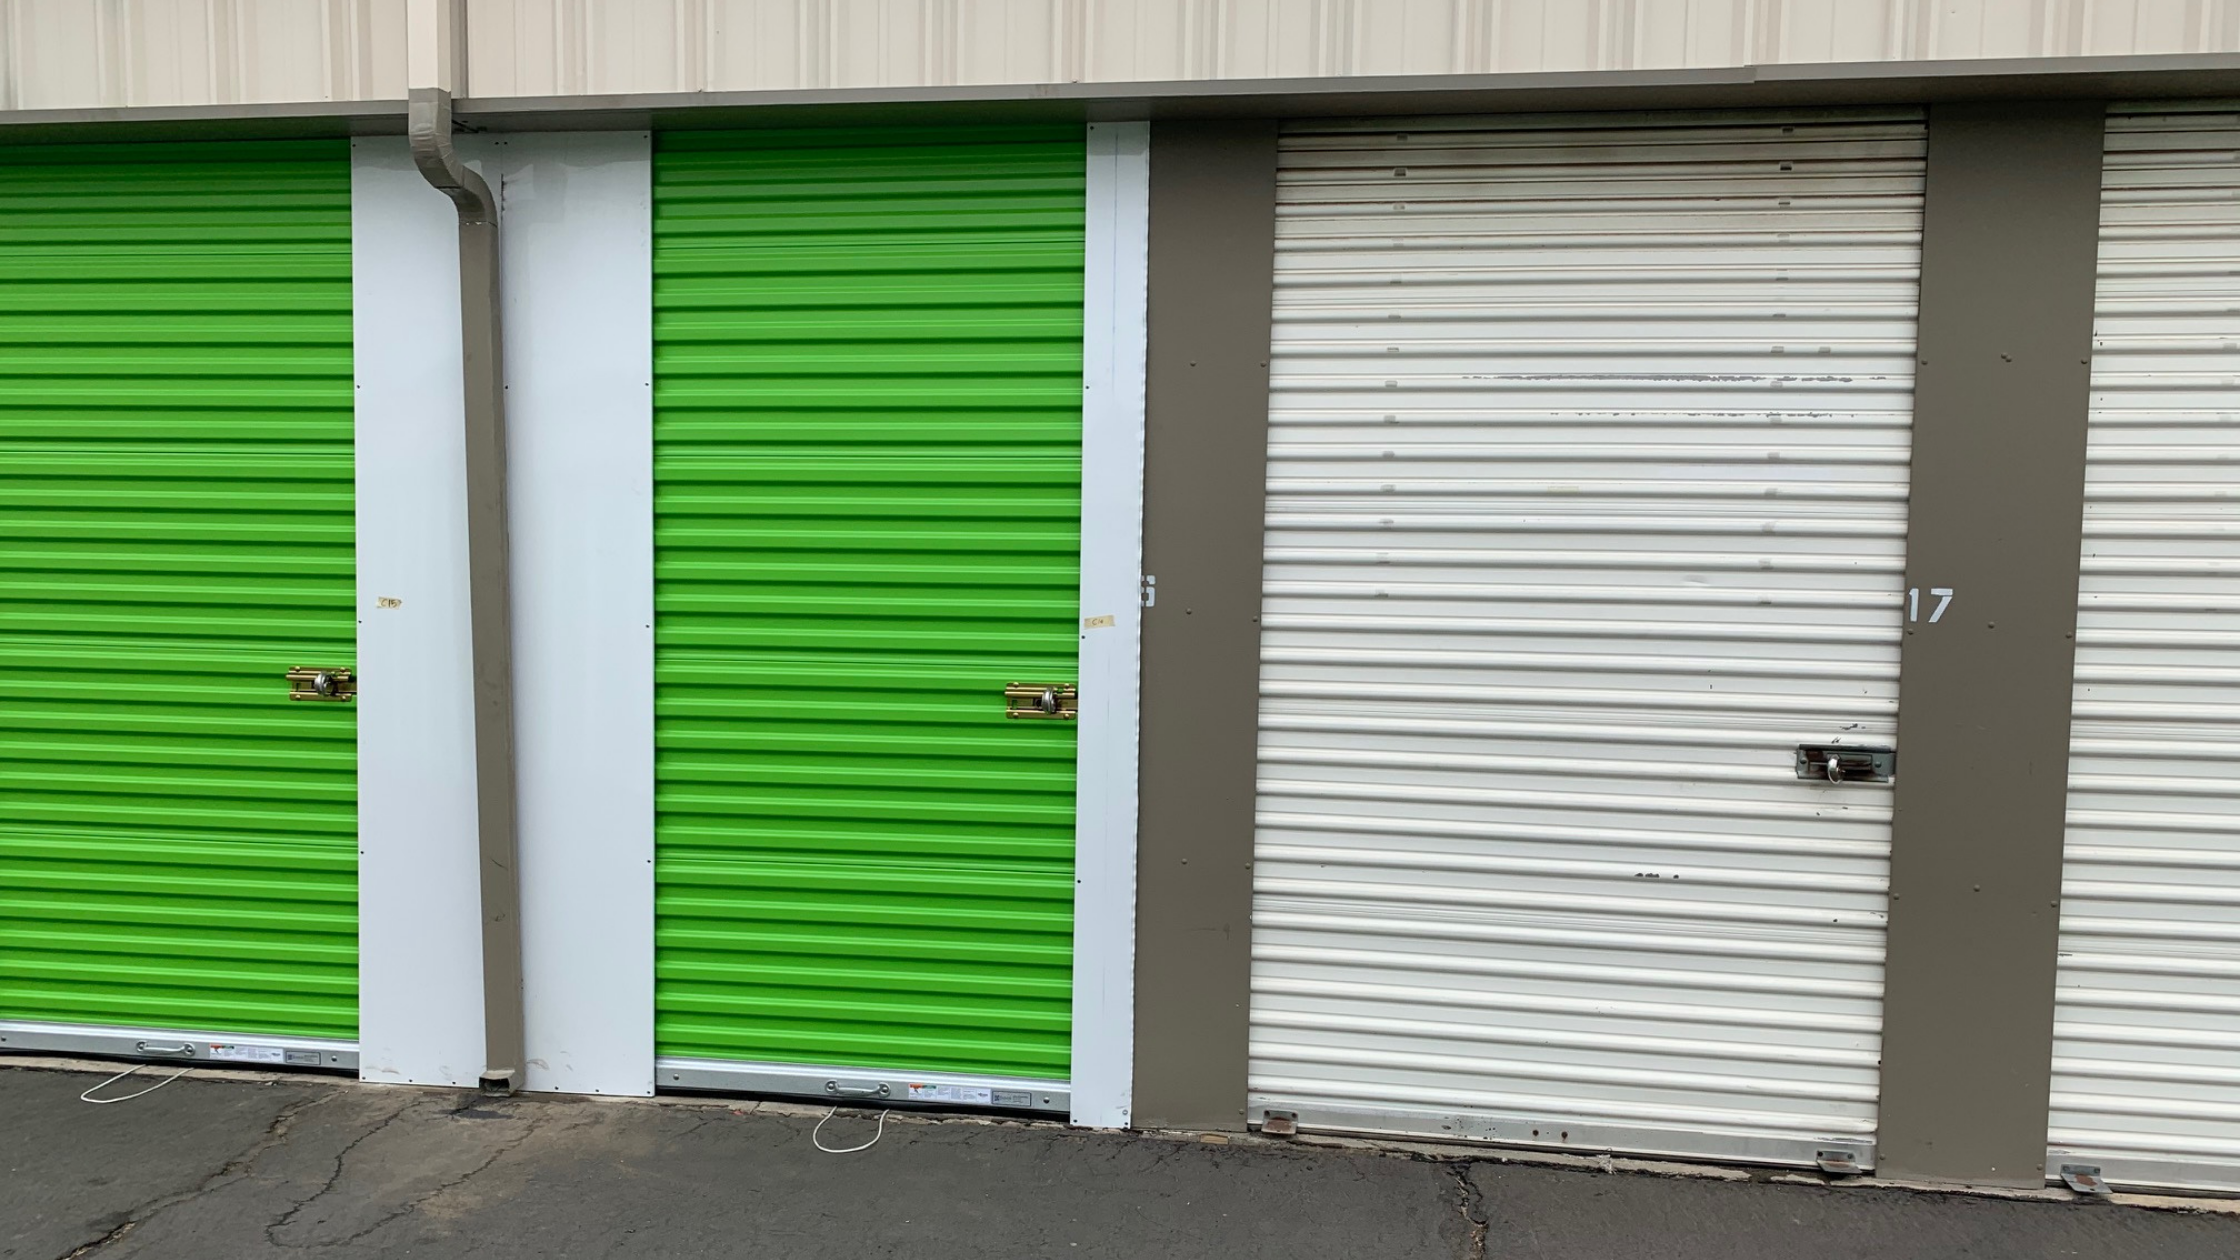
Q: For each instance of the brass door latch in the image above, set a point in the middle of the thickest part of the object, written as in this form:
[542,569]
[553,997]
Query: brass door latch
[311,682]
[1040,700]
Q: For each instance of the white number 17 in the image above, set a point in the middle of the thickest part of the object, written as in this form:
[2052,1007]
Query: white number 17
[1913,602]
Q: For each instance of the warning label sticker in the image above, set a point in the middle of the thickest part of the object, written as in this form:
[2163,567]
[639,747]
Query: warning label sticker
[247,1054]
[968,1095]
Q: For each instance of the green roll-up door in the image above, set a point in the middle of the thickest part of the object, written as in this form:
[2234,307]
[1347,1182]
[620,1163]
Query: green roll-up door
[178,841]
[868,504]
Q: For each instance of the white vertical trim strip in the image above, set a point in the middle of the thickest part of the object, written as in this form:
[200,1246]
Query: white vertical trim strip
[419,912]
[577,304]
[578,309]
[1104,908]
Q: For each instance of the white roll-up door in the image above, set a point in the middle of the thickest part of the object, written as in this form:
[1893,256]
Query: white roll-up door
[1587,506]
[2146,1057]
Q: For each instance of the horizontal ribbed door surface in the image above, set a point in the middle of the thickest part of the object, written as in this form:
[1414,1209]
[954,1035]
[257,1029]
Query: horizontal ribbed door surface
[178,841]
[1586,505]
[868,502]
[2146,1057]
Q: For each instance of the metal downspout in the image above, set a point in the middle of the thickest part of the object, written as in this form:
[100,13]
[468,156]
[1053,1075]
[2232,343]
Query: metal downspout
[489,599]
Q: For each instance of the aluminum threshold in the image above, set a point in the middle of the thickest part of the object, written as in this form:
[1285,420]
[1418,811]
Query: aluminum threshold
[879,1087]
[173,1045]
[1556,1133]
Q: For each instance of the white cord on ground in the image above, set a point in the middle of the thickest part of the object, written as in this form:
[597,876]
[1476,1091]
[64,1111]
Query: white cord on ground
[88,1096]
[815,1135]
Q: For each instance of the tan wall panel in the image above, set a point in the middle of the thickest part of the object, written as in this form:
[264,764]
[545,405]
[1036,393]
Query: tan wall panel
[76,53]
[1010,41]
[62,54]
[69,67]
[743,45]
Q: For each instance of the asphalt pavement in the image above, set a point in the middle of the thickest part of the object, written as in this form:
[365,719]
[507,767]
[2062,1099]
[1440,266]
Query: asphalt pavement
[219,1167]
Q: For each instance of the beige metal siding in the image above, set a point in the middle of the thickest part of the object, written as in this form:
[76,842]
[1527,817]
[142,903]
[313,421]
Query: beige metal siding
[1586,505]
[65,53]
[567,46]
[2146,1057]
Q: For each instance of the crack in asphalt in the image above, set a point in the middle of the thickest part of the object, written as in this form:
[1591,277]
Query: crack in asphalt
[334,1178]
[1472,1204]
[88,1248]
[529,1128]
[695,1127]
[275,1134]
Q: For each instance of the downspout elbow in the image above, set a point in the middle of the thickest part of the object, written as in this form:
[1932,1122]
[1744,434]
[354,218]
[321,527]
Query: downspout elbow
[428,120]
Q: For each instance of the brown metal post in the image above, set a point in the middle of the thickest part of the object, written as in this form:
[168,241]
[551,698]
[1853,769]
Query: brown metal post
[2009,247]
[1212,275]
[489,596]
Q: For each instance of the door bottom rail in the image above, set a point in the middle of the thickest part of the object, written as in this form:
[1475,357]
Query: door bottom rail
[876,1087]
[196,1047]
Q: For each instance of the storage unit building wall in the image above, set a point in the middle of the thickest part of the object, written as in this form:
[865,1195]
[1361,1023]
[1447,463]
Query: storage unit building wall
[178,839]
[1586,510]
[2146,1053]
[868,365]
[1592,464]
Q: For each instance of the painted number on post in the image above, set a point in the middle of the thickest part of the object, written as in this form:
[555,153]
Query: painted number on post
[1943,596]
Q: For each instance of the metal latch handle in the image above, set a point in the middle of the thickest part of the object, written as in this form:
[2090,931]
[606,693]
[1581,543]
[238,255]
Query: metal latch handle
[1846,763]
[322,682]
[1041,700]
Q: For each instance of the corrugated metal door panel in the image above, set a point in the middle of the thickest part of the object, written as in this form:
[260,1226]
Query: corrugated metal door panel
[2146,1059]
[1587,502]
[868,505]
[178,841]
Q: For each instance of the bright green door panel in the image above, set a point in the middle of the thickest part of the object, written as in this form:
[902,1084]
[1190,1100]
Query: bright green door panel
[867,442]
[178,841]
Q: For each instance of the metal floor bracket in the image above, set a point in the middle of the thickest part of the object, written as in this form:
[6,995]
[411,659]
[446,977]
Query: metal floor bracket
[1837,1163]
[2085,1179]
